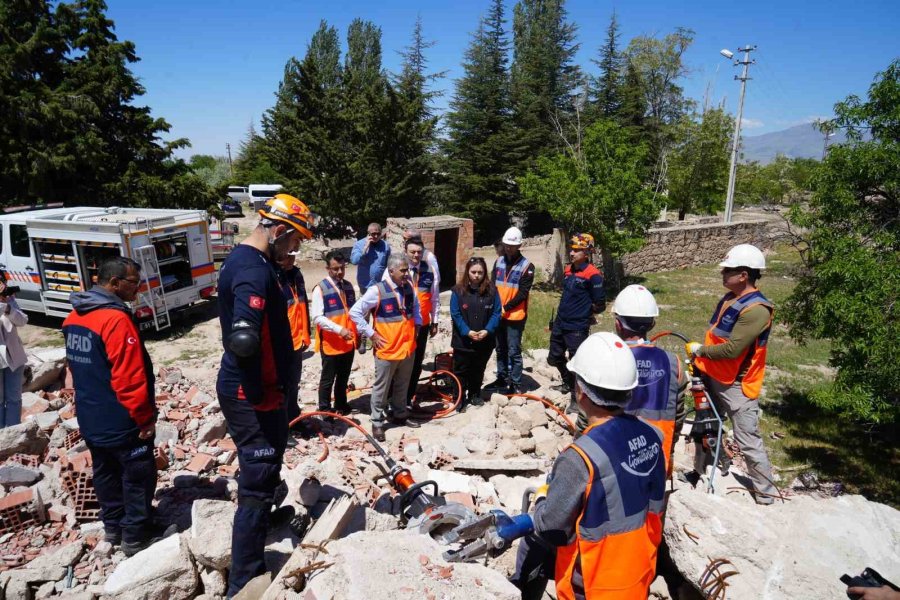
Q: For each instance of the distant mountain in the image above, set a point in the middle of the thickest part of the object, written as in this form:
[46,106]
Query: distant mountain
[801,141]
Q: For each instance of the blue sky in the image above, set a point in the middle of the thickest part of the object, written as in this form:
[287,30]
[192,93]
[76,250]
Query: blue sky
[212,67]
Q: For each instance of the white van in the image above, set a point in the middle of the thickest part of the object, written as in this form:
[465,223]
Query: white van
[260,192]
[53,252]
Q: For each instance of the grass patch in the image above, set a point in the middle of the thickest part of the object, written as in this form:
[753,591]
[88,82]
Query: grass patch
[865,461]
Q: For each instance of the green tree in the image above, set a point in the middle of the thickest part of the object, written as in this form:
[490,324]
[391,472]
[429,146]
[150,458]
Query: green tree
[544,77]
[482,152]
[851,249]
[70,125]
[698,165]
[659,65]
[252,164]
[212,170]
[597,188]
[605,95]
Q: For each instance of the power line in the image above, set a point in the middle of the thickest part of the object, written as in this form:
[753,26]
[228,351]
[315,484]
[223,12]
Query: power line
[729,199]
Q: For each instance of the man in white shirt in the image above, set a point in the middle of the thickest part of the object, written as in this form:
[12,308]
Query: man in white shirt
[396,319]
[336,335]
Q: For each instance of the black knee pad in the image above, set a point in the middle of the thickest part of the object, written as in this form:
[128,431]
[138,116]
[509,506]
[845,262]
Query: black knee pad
[260,472]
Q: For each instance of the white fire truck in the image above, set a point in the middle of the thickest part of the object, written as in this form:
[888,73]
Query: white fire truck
[53,252]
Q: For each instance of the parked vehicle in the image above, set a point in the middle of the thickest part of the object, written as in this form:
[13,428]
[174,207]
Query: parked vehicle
[232,207]
[239,193]
[53,252]
[260,192]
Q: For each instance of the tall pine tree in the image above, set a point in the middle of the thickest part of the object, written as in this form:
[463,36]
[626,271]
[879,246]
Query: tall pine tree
[605,94]
[482,151]
[544,78]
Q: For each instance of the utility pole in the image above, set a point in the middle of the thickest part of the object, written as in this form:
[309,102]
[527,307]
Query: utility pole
[230,164]
[729,199]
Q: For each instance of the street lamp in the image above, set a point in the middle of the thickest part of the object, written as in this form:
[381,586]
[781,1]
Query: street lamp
[729,199]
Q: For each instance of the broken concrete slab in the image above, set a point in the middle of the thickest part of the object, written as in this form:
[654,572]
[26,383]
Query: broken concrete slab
[416,569]
[212,428]
[164,570]
[214,583]
[786,550]
[14,474]
[499,465]
[210,533]
[255,588]
[333,521]
[510,490]
[25,438]
[51,566]
[546,442]
[46,368]
[47,420]
[448,481]
[165,433]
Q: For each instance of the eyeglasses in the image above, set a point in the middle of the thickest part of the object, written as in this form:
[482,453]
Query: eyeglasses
[132,281]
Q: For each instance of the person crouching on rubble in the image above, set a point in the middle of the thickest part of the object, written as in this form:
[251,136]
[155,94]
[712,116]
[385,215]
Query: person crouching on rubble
[475,308]
[597,523]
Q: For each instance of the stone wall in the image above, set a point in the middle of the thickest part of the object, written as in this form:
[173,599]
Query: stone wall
[429,226]
[676,246]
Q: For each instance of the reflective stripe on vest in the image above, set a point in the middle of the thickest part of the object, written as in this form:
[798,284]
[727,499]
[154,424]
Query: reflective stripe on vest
[655,398]
[423,282]
[508,287]
[752,360]
[395,322]
[335,308]
[298,317]
[619,528]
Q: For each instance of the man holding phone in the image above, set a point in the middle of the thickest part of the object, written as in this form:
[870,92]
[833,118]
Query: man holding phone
[370,256]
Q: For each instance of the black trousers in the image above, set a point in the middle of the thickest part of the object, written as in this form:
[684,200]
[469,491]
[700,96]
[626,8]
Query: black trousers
[560,343]
[469,366]
[260,437]
[421,342]
[125,482]
[292,394]
[335,375]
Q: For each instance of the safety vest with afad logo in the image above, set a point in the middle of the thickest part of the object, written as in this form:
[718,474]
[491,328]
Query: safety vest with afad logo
[423,281]
[655,399]
[335,307]
[507,281]
[619,529]
[750,366]
[394,320]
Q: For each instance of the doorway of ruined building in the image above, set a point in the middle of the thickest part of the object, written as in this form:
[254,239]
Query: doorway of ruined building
[445,248]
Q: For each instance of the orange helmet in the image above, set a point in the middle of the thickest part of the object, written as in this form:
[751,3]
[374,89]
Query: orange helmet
[291,211]
[581,241]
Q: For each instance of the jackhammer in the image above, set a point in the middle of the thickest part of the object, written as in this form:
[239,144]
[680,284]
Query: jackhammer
[706,427]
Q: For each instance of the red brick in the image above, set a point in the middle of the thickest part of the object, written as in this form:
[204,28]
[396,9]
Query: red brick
[201,462]
[226,444]
[55,513]
[68,412]
[176,415]
[227,470]
[191,393]
[162,459]
[179,453]
[462,498]
[16,499]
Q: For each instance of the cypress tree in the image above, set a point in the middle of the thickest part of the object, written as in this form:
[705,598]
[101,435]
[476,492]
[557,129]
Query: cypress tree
[604,97]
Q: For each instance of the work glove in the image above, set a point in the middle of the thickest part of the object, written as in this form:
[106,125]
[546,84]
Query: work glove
[512,528]
[541,493]
[691,347]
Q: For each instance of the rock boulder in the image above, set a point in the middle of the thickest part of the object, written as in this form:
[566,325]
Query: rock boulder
[26,438]
[210,536]
[164,570]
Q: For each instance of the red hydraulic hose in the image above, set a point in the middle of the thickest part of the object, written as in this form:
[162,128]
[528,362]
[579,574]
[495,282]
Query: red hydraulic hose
[450,404]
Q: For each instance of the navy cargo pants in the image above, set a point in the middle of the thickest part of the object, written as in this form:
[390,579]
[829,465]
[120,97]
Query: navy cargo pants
[260,437]
[125,481]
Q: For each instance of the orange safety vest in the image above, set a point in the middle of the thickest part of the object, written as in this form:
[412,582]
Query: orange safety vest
[655,399]
[423,282]
[335,305]
[613,556]
[297,309]
[507,281]
[395,321]
[748,368]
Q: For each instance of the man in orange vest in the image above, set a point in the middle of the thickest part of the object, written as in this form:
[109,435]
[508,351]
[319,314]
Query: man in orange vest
[335,332]
[396,319]
[600,513]
[513,275]
[293,287]
[659,395]
[733,361]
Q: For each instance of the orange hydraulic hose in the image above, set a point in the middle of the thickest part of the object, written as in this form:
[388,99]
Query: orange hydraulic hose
[323,413]
[449,407]
[551,406]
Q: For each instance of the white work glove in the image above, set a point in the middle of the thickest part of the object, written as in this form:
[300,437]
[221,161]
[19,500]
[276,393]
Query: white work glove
[692,347]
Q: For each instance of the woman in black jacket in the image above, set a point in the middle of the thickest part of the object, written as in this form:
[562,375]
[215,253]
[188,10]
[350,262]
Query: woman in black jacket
[475,308]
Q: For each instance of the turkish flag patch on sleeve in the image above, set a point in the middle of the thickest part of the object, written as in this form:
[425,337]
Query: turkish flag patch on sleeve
[257,302]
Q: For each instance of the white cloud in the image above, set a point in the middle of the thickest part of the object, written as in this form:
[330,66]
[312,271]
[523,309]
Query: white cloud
[751,123]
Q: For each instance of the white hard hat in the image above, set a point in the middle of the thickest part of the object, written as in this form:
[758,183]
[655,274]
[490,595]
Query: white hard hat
[513,236]
[603,360]
[744,255]
[636,301]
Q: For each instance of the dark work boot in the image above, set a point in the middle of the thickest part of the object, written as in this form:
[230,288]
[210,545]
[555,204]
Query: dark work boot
[378,433]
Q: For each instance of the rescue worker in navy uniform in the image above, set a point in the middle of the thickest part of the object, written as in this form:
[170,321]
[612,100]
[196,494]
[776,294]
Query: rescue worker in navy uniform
[597,522]
[659,395]
[582,297]
[114,397]
[256,372]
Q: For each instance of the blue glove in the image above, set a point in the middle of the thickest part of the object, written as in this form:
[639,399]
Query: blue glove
[512,528]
